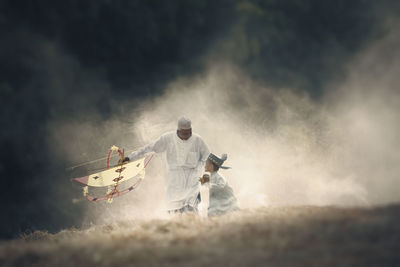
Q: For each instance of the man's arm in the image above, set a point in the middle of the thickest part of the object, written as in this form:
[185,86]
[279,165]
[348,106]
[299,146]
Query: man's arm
[157,146]
[204,151]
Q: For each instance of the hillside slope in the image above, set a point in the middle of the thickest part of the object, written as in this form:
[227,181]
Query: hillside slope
[273,236]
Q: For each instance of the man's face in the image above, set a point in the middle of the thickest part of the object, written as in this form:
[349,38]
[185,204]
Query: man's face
[184,134]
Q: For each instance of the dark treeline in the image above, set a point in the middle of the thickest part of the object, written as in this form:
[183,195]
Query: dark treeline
[62,59]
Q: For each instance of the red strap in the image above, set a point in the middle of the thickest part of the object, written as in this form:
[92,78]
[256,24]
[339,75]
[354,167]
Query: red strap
[120,152]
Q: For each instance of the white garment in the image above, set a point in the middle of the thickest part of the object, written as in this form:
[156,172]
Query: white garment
[222,199]
[185,160]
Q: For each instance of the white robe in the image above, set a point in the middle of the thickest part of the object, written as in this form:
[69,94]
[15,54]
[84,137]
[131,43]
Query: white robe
[222,199]
[185,160]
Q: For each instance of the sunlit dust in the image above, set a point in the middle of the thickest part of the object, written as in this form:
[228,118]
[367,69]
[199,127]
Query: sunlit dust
[284,147]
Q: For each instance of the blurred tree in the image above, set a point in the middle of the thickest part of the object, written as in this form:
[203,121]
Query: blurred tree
[130,39]
[300,43]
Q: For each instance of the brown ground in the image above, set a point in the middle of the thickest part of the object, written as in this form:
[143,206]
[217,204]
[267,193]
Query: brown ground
[284,236]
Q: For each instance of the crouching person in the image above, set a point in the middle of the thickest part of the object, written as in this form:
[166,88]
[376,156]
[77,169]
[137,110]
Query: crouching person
[222,198]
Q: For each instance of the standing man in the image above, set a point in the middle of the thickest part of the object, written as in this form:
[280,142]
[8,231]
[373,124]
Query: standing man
[185,155]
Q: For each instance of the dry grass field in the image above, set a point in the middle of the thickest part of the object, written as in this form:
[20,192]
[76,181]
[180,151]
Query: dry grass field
[270,236]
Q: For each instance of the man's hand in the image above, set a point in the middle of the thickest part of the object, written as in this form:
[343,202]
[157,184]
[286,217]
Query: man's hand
[120,162]
[204,179]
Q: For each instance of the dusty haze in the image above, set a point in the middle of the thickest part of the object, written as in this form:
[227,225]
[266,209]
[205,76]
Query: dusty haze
[284,147]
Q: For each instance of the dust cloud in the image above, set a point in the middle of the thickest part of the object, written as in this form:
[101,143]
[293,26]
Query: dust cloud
[284,147]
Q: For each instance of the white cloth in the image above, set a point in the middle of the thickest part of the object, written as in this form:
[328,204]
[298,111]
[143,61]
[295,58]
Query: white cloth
[185,160]
[222,198]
